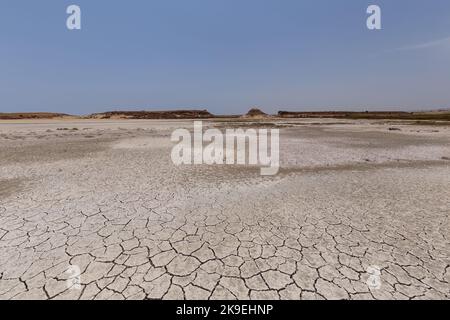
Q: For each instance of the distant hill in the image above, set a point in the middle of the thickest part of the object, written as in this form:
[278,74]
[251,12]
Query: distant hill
[255,113]
[432,115]
[32,115]
[175,114]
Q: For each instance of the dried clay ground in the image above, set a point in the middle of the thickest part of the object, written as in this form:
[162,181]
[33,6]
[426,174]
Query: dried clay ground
[104,195]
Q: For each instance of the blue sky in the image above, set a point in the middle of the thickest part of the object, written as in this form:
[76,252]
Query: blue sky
[224,55]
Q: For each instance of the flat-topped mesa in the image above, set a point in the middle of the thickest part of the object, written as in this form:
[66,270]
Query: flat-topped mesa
[375,115]
[256,113]
[172,114]
[32,115]
[341,114]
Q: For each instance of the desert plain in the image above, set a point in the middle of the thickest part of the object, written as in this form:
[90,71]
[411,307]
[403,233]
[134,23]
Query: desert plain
[104,195]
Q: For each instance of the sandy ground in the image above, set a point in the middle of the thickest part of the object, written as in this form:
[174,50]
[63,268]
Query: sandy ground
[105,196]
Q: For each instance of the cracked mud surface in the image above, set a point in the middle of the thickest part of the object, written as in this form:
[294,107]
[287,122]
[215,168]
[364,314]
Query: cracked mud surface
[107,198]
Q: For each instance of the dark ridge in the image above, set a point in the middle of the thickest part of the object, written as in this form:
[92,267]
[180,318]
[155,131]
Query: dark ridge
[175,114]
[31,115]
[400,115]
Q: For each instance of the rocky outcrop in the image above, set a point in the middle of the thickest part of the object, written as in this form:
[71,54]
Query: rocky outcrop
[32,115]
[176,114]
[256,113]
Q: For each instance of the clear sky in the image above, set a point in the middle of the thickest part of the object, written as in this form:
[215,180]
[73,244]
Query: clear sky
[224,55]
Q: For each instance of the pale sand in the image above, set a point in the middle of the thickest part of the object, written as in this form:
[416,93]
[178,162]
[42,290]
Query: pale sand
[107,198]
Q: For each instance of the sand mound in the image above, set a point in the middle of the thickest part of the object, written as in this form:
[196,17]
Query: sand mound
[256,113]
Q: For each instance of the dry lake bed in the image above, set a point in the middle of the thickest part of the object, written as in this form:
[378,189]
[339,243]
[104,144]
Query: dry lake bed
[359,210]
